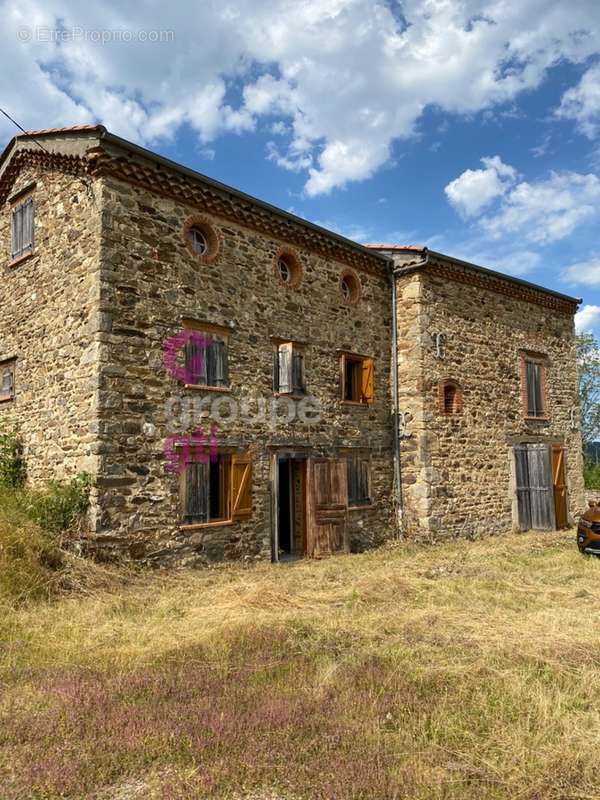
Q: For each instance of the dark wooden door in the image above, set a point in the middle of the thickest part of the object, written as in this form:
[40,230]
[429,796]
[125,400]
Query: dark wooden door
[560,487]
[327,507]
[534,487]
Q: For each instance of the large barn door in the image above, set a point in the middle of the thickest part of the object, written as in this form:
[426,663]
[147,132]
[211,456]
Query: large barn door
[327,507]
[560,487]
[534,487]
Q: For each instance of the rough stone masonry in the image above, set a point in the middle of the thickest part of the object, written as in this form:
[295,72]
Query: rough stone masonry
[277,435]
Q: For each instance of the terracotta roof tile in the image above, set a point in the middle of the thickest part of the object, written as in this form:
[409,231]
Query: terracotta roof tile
[418,247]
[72,129]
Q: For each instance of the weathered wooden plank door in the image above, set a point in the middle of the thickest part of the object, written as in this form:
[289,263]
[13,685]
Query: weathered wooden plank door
[560,487]
[534,487]
[327,507]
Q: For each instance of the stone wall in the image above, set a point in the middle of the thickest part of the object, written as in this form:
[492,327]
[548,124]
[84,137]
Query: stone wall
[459,467]
[150,282]
[48,323]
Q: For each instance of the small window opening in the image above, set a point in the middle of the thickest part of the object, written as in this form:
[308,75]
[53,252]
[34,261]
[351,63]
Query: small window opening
[357,379]
[198,241]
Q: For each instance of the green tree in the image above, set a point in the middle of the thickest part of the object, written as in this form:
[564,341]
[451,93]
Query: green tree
[588,364]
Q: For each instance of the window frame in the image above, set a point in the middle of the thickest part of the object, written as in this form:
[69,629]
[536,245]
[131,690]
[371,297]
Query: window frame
[297,352]
[367,384]
[11,365]
[212,331]
[18,205]
[235,486]
[541,362]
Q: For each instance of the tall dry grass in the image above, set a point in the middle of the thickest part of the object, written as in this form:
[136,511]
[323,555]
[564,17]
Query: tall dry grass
[468,670]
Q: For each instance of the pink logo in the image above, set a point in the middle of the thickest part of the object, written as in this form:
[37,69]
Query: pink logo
[196,447]
[193,365]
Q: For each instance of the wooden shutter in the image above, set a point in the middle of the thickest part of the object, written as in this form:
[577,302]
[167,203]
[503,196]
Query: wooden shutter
[195,361]
[285,353]
[17,231]
[560,487]
[540,482]
[363,481]
[217,363]
[367,383]
[523,494]
[534,487]
[241,486]
[327,507]
[27,222]
[196,493]
[535,398]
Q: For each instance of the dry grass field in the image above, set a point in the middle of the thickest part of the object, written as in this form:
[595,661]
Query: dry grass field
[466,670]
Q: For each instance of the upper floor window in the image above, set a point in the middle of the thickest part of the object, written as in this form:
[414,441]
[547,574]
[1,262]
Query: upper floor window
[288,268]
[357,379]
[533,386]
[288,369]
[350,287]
[22,228]
[198,240]
[7,380]
[205,355]
[202,239]
[449,398]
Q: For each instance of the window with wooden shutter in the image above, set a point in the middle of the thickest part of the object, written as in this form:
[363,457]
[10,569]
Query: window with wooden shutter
[206,356]
[533,386]
[22,229]
[288,369]
[357,379]
[217,489]
[358,468]
[207,489]
[7,380]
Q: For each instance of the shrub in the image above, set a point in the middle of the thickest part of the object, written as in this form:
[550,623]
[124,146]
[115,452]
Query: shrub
[59,506]
[12,466]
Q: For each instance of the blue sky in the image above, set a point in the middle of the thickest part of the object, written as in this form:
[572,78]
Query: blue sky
[470,126]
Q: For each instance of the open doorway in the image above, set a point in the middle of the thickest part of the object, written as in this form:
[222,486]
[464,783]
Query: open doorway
[290,534]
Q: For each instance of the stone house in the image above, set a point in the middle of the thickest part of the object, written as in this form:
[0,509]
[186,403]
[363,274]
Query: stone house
[242,383]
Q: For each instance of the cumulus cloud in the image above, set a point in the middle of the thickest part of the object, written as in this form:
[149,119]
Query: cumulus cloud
[547,210]
[585,273]
[346,77]
[587,319]
[476,188]
[582,103]
[540,212]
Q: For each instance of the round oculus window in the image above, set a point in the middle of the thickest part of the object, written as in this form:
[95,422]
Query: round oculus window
[198,240]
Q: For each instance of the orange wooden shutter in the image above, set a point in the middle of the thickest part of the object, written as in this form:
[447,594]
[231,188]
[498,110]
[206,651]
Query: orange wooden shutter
[367,384]
[241,486]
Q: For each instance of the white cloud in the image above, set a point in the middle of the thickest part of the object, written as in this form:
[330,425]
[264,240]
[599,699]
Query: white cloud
[476,188]
[582,103]
[587,319]
[540,212]
[345,75]
[586,273]
[547,210]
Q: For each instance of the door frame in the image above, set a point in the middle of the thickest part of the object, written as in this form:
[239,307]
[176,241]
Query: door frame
[276,456]
[552,445]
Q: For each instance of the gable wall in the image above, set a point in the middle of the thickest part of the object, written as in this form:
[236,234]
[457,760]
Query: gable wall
[48,323]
